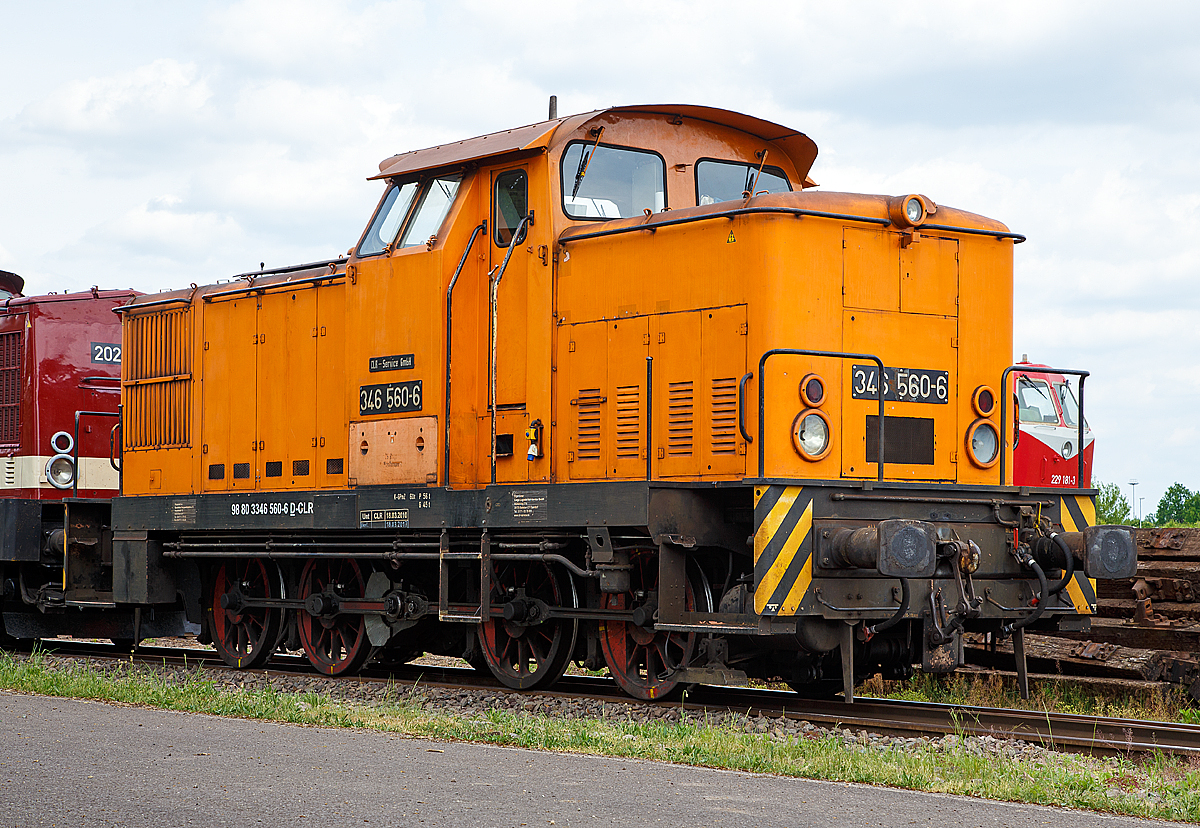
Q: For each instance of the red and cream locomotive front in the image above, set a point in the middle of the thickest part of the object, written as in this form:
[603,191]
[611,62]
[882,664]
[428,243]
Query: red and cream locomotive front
[1047,452]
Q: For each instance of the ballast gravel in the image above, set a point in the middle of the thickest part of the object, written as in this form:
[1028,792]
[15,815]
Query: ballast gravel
[476,703]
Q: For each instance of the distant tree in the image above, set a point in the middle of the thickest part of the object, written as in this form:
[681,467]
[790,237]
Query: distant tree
[1111,506]
[1178,505]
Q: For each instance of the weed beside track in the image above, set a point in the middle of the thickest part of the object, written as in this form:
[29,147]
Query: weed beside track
[1157,787]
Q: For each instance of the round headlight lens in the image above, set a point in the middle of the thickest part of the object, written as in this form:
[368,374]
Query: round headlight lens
[810,433]
[985,443]
[914,210]
[1067,450]
[60,471]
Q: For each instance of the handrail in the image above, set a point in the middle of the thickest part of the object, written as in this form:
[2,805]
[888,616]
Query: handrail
[725,214]
[272,287]
[742,406]
[518,234]
[791,211]
[75,447]
[1083,375]
[481,227]
[762,395]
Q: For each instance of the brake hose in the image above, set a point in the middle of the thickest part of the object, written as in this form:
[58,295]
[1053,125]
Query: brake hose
[1068,568]
[1041,600]
[869,632]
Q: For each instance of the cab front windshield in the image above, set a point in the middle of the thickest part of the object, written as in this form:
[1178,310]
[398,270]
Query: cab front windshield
[420,223]
[1066,400]
[1034,403]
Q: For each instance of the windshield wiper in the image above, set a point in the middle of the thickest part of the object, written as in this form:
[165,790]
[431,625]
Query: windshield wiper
[584,160]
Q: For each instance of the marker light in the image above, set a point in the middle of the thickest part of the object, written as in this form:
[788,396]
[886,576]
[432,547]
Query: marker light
[812,390]
[810,434]
[984,401]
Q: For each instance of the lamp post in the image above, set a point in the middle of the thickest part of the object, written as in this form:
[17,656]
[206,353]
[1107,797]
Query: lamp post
[1133,495]
[1141,509]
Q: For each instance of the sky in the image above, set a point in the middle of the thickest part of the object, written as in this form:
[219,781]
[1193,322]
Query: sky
[151,145]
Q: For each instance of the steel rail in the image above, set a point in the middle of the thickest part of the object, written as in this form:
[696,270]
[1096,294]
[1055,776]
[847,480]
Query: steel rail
[1057,731]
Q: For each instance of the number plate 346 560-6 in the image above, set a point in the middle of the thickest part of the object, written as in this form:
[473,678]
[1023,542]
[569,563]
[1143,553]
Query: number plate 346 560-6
[900,384]
[389,398]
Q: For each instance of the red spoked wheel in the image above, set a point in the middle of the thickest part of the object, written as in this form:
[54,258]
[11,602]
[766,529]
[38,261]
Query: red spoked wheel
[335,643]
[643,662]
[244,636]
[521,650]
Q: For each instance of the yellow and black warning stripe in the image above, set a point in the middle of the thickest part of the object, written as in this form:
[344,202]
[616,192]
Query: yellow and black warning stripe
[1076,513]
[783,518]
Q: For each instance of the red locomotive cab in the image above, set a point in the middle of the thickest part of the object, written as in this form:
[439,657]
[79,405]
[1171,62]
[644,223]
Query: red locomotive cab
[60,375]
[1047,453]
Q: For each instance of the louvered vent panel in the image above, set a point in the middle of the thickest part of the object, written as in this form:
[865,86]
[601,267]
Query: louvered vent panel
[10,388]
[724,416]
[629,420]
[588,438]
[158,380]
[680,408]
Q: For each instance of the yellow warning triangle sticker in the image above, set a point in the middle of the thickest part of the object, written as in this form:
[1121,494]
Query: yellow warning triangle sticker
[731,239]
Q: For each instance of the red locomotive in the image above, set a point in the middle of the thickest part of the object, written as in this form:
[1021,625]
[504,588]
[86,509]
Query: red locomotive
[60,393]
[1047,451]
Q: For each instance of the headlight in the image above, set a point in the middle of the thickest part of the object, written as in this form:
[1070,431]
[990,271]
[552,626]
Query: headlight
[914,211]
[983,442]
[60,471]
[984,401]
[1067,450]
[810,434]
[812,390]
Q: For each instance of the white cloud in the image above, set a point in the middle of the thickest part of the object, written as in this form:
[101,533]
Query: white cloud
[161,93]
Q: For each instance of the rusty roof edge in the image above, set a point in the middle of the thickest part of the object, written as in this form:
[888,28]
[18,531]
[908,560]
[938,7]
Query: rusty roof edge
[798,146]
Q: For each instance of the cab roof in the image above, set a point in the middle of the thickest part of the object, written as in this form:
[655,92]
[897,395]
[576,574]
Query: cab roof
[540,136]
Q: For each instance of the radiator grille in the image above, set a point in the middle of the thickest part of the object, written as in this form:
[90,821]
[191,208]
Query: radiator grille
[629,420]
[588,434]
[274,468]
[907,440]
[299,468]
[216,471]
[158,379]
[10,388]
[679,418]
[333,465]
[724,415]
[241,471]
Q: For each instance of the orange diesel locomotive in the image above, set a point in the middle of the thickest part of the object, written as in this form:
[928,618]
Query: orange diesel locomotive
[618,388]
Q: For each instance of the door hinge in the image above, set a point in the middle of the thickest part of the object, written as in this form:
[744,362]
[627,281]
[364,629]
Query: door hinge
[744,328]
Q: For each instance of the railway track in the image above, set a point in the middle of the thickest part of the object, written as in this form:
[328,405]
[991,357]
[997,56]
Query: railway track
[1059,731]
[1146,628]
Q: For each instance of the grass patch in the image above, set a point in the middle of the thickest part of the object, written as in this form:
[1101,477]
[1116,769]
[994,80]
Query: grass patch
[1160,787]
[1166,703]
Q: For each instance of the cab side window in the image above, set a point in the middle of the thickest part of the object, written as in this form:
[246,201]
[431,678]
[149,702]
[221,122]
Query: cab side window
[510,204]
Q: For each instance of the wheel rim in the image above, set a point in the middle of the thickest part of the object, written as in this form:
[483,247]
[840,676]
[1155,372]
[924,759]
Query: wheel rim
[643,662]
[529,656]
[245,636]
[334,643]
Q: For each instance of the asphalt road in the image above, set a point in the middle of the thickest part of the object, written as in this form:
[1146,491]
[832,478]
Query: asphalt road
[82,764]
